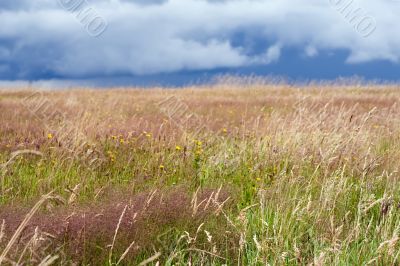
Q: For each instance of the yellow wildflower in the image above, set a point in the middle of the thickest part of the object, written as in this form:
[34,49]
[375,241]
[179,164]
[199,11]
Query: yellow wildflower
[111,156]
[178,148]
[198,143]
[162,167]
[49,136]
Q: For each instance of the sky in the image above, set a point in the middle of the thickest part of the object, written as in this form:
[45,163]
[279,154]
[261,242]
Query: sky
[178,42]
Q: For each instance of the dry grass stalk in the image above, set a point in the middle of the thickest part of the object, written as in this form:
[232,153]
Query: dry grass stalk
[23,224]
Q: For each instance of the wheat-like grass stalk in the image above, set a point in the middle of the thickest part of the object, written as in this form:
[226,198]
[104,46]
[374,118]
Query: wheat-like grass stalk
[151,259]
[21,227]
[48,260]
[115,234]
[125,253]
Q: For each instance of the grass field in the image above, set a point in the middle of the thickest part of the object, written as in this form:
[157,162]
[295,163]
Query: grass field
[223,175]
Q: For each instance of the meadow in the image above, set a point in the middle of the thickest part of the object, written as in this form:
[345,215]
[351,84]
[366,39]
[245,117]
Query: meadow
[230,174]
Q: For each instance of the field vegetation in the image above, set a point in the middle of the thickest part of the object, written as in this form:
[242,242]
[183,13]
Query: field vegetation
[222,175]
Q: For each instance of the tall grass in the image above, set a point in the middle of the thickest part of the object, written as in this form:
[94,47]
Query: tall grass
[278,175]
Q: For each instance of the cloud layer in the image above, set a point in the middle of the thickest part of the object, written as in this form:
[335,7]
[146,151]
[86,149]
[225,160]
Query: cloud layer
[41,38]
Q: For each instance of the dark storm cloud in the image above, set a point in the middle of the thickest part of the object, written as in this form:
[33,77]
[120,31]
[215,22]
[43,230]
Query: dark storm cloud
[39,39]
